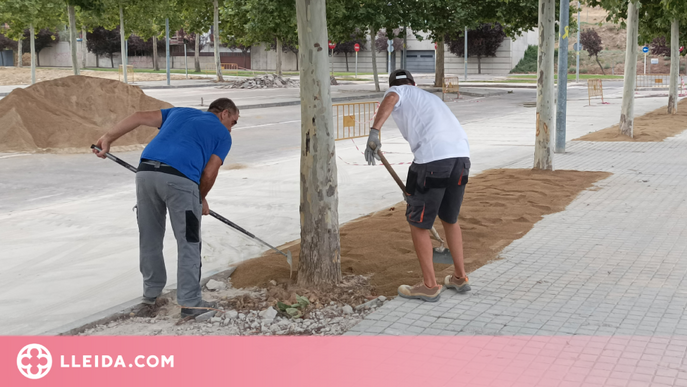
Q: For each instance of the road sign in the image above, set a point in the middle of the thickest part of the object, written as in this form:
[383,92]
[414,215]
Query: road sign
[645,49]
[654,60]
[356,47]
[682,48]
[331,45]
[577,47]
[390,45]
[435,46]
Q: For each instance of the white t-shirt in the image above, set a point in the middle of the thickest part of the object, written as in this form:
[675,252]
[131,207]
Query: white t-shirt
[430,127]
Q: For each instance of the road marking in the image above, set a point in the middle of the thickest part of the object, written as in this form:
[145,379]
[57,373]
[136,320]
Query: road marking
[17,155]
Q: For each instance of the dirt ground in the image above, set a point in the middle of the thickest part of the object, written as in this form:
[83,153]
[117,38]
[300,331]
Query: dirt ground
[500,206]
[22,76]
[653,126]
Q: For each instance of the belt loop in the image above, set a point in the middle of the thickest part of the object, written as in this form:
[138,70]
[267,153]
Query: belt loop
[157,164]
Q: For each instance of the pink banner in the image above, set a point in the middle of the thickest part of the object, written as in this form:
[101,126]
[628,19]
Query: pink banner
[341,361]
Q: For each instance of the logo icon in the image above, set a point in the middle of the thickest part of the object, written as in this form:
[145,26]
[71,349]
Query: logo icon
[34,361]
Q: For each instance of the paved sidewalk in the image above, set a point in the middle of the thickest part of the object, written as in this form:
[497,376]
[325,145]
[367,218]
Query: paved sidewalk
[614,263]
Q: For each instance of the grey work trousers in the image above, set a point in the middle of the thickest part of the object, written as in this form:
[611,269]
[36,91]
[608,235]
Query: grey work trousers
[157,193]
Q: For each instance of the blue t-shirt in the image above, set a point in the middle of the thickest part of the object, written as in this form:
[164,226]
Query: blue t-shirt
[187,139]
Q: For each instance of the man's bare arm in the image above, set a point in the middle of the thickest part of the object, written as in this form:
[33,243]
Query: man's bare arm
[148,118]
[207,179]
[385,109]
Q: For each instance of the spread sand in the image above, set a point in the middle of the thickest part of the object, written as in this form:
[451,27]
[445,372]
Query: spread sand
[71,113]
[653,126]
[500,206]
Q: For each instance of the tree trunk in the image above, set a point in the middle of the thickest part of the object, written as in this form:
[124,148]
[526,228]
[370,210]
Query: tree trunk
[630,74]
[346,55]
[196,52]
[84,48]
[320,258]
[112,60]
[123,43]
[279,57]
[97,61]
[600,66]
[439,72]
[20,48]
[674,65]
[72,38]
[543,155]
[32,41]
[156,64]
[215,33]
[373,50]
[479,64]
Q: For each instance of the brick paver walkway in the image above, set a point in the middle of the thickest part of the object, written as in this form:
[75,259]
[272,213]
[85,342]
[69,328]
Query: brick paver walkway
[613,264]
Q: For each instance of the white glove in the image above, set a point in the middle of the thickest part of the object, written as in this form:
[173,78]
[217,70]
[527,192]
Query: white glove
[373,146]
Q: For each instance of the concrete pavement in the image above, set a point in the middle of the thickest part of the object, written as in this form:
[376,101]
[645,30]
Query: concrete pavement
[87,261]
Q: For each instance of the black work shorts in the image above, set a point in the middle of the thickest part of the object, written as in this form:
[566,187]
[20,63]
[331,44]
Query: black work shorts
[436,188]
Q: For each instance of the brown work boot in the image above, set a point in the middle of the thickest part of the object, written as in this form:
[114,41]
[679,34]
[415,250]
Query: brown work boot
[421,292]
[461,285]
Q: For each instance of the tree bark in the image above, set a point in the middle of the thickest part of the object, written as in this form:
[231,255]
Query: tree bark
[156,64]
[279,57]
[346,55]
[215,33]
[72,38]
[196,52]
[123,43]
[630,77]
[84,48]
[32,41]
[479,64]
[373,50]
[320,258]
[20,48]
[439,73]
[543,152]
[600,66]
[674,65]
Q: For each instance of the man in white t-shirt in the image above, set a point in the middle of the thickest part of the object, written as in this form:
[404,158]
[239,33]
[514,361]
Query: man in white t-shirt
[436,179]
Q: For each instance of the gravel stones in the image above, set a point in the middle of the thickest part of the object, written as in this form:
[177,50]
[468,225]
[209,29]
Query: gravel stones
[213,285]
[268,314]
[266,81]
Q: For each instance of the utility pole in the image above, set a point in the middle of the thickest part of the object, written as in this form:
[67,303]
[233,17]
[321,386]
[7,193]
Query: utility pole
[630,73]
[320,258]
[32,37]
[123,42]
[561,113]
[543,155]
[465,54]
[167,47]
[579,46]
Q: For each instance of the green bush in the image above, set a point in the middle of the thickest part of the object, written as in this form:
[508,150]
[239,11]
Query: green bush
[607,66]
[528,63]
[583,71]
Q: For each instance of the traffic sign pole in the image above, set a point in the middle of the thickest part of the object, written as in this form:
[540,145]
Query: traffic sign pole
[645,50]
[331,58]
[356,47]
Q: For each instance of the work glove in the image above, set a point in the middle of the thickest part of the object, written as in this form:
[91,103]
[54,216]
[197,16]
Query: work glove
[373,146]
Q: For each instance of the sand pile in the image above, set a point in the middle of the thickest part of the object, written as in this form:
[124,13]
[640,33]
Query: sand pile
[653,126]
[500,206]
[70,112]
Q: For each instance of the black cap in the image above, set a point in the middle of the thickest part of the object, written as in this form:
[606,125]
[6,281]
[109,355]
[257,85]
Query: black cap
[400,74]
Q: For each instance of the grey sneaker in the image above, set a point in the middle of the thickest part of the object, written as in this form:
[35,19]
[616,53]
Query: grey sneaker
[148,300]
[460,285]
[204,306]
[420,291]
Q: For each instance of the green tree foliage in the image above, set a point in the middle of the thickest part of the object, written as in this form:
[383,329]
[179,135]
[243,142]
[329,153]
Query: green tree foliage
[660,47]
[348,47]
[483,41]
[591,42]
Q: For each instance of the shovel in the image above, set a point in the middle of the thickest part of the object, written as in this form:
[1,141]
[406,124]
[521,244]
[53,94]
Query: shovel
[440,254]
[215,215]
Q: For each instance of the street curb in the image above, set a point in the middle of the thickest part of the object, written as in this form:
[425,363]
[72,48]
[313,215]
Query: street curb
[118,311]
[293,103]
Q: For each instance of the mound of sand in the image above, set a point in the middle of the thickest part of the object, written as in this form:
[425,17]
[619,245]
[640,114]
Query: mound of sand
[654,126]
[71,112]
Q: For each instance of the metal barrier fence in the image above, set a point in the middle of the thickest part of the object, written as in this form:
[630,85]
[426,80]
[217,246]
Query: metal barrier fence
[451,85]
[595,89]
[129,73]
[353,120]
[653,80]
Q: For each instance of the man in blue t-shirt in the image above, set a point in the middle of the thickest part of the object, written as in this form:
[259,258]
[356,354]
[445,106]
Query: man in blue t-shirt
[177,170]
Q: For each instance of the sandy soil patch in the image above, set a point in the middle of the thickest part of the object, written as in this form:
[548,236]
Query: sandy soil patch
[500,206]
[71,113]
[22,76]
[653,126]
